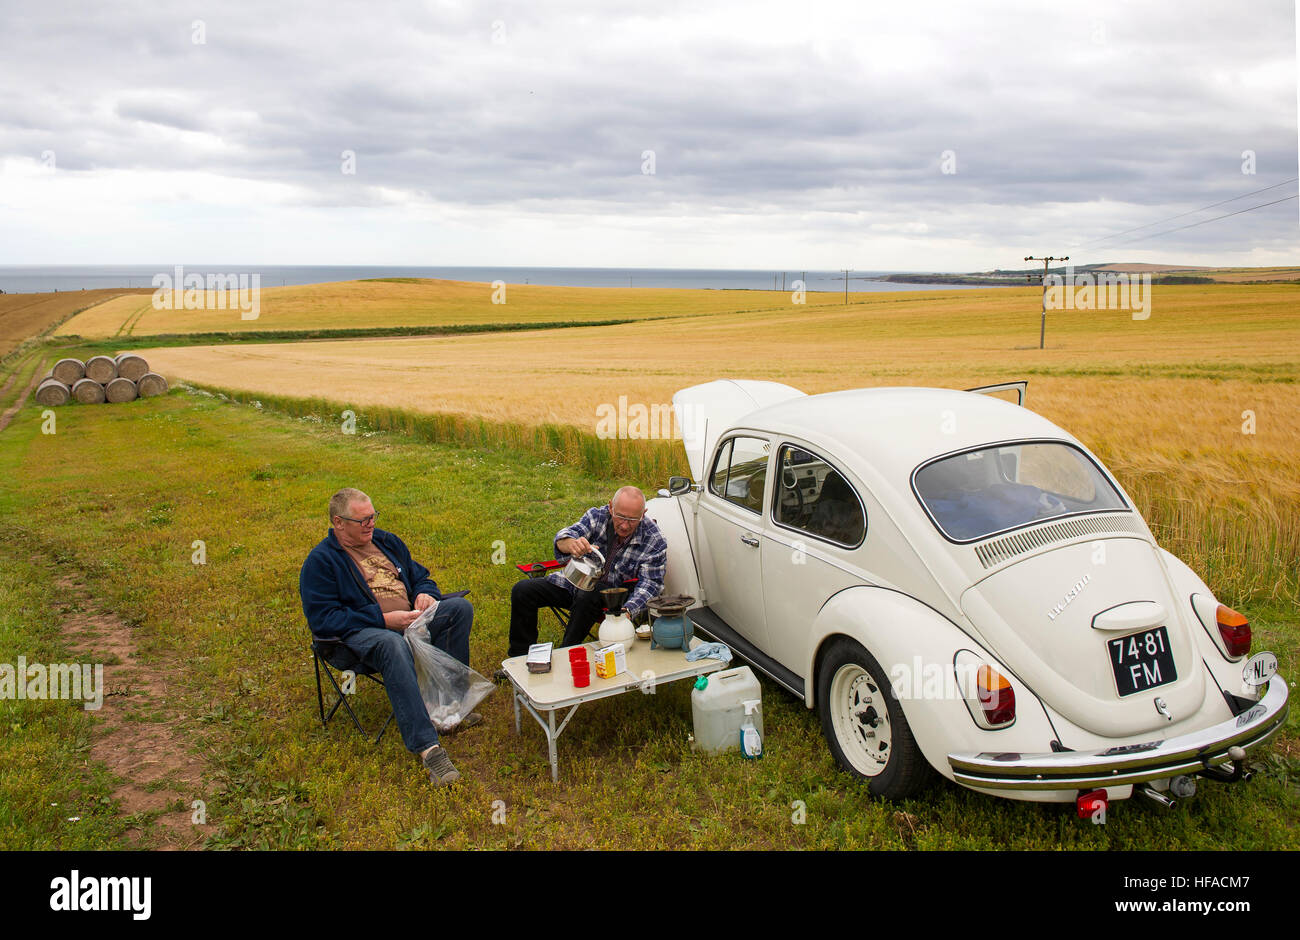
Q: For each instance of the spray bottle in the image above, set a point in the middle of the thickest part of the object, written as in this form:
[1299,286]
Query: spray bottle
[751,745]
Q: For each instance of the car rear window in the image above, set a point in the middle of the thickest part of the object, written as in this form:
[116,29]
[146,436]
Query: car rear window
[982,492]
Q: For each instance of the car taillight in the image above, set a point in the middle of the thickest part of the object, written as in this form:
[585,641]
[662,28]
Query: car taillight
[996,697]
[1235,630]
[1092,803]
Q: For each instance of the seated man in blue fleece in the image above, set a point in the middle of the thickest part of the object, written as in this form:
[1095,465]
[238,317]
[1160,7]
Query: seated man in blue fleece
[633,547]
[360,585]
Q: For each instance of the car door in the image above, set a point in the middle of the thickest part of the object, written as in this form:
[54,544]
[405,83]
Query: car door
[817,522]
[731,516]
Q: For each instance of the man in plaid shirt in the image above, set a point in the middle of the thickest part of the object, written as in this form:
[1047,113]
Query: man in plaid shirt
[633,547]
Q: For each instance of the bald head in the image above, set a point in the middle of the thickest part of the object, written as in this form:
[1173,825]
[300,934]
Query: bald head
[631,497]
[627,508]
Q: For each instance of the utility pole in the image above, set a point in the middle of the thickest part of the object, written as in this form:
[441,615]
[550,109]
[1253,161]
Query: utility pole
[846,279]
[1042,329]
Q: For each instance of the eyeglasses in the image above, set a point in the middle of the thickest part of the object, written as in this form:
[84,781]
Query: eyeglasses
[630,519]
[364,520]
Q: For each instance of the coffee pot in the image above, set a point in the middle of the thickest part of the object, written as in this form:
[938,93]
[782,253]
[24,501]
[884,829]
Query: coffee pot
[617,626]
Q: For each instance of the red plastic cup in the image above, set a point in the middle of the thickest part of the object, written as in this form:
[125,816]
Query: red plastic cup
[581,674]
[578,654]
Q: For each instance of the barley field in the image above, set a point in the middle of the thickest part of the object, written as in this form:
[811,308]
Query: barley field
[409,302]
[944,338]
[24,316]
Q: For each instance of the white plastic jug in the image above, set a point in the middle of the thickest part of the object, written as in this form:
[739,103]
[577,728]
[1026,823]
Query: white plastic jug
[718,709]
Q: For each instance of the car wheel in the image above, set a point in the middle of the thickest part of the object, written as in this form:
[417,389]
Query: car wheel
[864,723]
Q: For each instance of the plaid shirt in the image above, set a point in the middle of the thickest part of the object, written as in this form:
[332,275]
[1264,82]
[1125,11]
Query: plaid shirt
[644,556]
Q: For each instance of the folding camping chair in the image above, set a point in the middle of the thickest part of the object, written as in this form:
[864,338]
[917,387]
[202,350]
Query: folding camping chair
[540,569]
[332,652]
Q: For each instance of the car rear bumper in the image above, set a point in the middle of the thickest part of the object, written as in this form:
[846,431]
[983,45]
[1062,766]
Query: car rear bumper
[1129,763]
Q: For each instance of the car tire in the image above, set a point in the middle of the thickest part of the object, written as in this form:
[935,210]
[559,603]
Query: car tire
[864,724]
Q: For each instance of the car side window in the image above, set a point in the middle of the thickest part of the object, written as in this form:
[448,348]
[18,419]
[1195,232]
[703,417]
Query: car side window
[740,472]
[812,497]
[718,479]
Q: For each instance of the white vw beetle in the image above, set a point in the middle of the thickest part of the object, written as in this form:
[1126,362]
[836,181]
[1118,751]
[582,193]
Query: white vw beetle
[954,582]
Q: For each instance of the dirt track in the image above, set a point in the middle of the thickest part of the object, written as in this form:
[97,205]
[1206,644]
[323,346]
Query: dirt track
[138,738]
[21,399]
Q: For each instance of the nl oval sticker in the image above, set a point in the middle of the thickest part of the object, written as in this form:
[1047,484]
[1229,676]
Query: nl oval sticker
[1259,669]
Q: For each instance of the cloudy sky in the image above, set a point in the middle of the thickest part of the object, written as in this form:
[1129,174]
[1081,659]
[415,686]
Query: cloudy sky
[808,135]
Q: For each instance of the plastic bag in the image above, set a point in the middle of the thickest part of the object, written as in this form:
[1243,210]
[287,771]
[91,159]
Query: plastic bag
[450,689]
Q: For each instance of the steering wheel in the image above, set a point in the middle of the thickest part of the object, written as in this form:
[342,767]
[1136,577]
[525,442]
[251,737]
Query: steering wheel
[790,486]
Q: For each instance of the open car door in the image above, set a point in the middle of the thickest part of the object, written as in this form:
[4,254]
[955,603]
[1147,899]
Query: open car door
[1018,387]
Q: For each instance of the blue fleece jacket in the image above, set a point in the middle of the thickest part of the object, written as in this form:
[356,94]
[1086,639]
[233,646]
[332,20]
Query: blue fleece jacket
[335,597]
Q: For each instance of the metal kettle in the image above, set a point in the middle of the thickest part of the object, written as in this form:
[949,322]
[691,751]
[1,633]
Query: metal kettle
[583,574]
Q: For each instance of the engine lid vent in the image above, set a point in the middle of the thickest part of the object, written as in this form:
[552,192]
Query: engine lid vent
[996,551]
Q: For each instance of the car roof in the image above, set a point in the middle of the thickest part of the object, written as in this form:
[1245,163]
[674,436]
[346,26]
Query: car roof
[895,429]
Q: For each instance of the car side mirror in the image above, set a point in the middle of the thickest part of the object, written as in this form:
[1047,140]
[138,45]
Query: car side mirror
[679,486]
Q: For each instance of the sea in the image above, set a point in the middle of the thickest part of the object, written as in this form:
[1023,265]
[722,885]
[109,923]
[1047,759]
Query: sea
[24,279]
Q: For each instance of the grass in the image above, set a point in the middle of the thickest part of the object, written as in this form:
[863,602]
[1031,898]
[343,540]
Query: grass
[252,483]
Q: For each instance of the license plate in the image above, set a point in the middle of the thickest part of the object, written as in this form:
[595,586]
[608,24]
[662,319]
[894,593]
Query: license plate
[1141,661]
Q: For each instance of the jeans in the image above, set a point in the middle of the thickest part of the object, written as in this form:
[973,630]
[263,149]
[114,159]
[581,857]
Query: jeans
[387,652]
[529,596]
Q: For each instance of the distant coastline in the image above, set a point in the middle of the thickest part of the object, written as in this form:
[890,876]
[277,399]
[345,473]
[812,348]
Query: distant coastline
[45,278]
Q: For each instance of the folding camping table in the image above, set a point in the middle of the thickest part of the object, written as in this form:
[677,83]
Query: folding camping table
[552,691]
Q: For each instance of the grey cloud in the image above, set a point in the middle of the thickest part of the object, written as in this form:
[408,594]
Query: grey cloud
[1154,114]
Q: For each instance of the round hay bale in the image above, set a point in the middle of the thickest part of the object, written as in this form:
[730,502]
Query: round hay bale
[52,392]
[68,371]
[88,391]
[120,390]
[101,368]
[130,366]
[151,384]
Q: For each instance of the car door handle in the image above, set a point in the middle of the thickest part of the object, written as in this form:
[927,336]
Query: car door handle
[750,541]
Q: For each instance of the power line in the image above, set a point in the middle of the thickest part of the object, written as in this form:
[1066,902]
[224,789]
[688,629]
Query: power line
[1203,221]
[1189,212]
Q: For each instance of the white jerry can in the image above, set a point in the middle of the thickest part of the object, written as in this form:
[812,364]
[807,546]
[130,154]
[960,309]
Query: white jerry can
[718,709]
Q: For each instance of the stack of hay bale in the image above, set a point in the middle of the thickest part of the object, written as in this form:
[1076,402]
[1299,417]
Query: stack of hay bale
[100,379]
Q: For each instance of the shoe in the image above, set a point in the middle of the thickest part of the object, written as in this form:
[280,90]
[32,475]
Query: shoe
[441,770]
[469,721]
[501,676]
